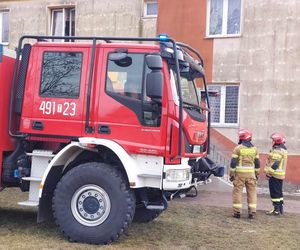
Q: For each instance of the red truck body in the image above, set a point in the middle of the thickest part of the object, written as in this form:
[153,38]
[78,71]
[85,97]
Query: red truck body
[6,72]
[118,121]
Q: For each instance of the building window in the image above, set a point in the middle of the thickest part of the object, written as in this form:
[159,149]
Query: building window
[61,72]
[150,9]
[63,22]
[224,107]
[4,26]
[224,17]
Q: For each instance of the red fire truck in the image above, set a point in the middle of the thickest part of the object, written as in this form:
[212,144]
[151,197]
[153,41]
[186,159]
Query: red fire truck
[101,131]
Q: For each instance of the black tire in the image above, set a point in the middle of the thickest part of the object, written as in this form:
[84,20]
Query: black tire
[76,196]
[143,215]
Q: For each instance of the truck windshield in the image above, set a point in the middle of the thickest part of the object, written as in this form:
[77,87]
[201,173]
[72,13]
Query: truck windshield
[188,88]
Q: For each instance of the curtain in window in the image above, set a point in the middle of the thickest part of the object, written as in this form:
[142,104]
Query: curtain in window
[234,16]
[5,27]
[231,104]
[57,23]
[216,17]
[151,9]
[215,104]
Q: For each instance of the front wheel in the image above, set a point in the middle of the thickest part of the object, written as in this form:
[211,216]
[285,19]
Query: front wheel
[93,203]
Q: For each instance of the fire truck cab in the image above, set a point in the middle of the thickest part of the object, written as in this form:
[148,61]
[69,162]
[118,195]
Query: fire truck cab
[103,133]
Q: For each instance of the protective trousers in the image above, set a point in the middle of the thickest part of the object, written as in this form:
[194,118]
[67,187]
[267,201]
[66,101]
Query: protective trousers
[275,186]
[238,185]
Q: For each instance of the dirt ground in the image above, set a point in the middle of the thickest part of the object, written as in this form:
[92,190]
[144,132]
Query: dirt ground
[204,222]
[218,194]
[223,199]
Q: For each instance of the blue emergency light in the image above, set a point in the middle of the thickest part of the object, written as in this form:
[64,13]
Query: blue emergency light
[163,37]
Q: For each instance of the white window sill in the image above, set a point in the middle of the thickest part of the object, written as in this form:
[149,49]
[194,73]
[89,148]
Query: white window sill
[223,36]
[229,125]
[150,17]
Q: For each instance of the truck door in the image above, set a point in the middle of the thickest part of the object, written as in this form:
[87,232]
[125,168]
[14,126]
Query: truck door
[126,114]
[54,104]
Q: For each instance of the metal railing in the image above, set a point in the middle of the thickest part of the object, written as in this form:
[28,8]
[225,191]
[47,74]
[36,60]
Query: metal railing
[221,157]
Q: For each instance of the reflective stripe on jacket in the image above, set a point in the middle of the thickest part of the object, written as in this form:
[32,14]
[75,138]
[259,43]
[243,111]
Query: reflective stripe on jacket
[278,155]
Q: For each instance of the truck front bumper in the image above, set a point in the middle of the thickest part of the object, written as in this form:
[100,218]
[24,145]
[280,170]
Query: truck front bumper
[189,172]
[177,177]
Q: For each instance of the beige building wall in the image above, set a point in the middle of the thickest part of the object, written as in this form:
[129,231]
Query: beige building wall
[93,18]
[265,61]
[149,27]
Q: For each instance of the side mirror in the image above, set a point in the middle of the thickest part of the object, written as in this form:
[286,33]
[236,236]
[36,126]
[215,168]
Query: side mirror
[154,62]
[154,85]
[154,80]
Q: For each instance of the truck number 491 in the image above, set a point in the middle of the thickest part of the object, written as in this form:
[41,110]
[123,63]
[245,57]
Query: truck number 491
[53,108]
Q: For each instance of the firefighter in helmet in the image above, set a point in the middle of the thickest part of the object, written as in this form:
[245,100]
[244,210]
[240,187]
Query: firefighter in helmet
[275,171]
[244,171]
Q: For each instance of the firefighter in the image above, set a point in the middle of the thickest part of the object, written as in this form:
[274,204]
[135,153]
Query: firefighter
[275,171]
[244,171]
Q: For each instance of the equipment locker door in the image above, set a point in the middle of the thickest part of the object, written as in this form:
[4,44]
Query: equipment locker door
[125,113]
[55,104]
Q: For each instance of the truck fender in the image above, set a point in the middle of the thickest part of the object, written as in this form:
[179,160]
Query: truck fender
[72,150]
[129,163]
[138,176]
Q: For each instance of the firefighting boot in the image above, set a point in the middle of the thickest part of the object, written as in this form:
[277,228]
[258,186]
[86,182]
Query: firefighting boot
[281,209]
[275,211]
[251,216]
[237,215]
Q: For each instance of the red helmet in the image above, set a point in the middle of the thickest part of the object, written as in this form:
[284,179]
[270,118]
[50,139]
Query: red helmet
[245,134]
[277,138]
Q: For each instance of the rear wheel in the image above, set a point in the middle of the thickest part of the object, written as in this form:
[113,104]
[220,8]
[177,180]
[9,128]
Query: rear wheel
[93,203]
[143,215]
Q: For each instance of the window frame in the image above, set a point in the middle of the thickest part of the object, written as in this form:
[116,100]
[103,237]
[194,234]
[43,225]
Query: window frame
[223,106]
[41,76]
[53,9]
[146,8]
[224,21]
[1,26]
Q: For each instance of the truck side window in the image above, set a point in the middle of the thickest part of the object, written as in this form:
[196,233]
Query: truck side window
[126,82]
[126,77]
[61,72]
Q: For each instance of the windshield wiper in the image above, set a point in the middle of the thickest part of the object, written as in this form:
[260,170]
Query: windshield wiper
[194,106]
[191,105]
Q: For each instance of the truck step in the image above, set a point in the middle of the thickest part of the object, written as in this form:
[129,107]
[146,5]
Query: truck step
[37,179]
[42,153]
[29,203]
[155,206]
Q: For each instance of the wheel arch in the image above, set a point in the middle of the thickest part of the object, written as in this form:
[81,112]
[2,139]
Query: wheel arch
[62,161]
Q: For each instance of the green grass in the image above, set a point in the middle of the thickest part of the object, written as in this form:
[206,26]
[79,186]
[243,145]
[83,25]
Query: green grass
[182,226]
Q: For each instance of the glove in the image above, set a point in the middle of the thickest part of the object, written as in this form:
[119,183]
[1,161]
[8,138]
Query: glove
[231,178]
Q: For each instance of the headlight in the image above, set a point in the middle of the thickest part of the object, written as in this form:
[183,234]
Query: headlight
[196,149]
[177,174]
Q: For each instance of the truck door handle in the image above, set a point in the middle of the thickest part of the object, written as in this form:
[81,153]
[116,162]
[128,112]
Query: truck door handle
[103,129]
[37,125]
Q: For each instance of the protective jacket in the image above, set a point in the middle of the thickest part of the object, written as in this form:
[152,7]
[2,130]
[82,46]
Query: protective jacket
[277,161]
[245,160]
